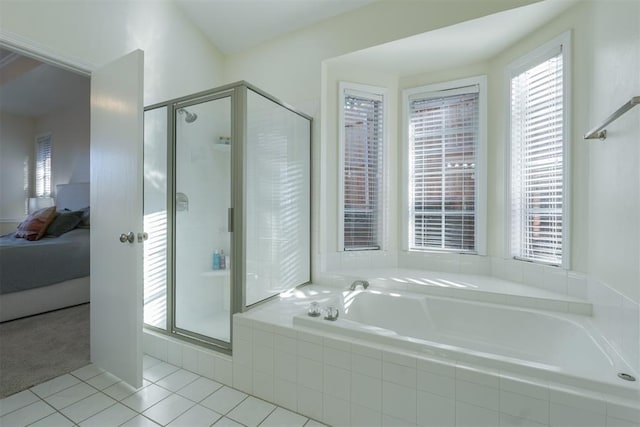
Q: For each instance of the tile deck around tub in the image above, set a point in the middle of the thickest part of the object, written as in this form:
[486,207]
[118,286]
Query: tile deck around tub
[169,396]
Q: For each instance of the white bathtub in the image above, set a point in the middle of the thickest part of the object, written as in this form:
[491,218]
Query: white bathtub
[551,346]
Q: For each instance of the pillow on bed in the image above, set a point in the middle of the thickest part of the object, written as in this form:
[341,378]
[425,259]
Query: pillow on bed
[63,222]
[85,221]
[35,225]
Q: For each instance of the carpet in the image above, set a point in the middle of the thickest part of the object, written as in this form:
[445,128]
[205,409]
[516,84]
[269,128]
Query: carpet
[38,348]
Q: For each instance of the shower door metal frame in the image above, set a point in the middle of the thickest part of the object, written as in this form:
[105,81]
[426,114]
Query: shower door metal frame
[238,93]
[174,329]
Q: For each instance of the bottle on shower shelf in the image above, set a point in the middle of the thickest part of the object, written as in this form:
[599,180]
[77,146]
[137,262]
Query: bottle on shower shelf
[216,260]
[222,260]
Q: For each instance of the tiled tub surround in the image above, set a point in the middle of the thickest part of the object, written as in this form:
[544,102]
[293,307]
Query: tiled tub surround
[542,344]
[347,380]
[515,283]
[463,286]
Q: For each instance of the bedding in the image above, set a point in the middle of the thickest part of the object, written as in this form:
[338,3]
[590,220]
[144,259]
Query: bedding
[64,222]
[35,225]
[28,264]
[53,272]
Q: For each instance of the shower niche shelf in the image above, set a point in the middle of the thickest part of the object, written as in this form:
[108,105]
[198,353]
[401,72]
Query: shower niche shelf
[225,148]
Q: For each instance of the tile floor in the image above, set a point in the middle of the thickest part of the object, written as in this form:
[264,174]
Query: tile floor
[169,396]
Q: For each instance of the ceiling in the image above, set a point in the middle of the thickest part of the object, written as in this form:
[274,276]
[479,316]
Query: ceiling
[457,45]
[235,25]
[28,87]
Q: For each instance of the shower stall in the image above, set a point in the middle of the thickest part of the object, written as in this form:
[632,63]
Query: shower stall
[226,207]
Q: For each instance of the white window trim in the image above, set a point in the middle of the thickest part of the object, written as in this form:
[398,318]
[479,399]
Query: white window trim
[366,90]
[43,136]
[481,194]
[542,53]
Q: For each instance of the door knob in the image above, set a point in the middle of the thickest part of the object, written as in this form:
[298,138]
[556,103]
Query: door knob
[127,237]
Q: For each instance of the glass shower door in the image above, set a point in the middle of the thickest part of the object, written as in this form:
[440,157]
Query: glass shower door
[278,208]
[202,242]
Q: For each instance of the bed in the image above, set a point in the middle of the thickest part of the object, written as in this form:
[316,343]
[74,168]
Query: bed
[50,273]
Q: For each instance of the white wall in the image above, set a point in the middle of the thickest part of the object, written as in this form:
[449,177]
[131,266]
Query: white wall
[69,142]
[613,181]
[178,58]
[16,160]
[69,129]
[291,67]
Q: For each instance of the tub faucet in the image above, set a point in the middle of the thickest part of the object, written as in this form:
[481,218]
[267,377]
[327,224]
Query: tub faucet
[355,284]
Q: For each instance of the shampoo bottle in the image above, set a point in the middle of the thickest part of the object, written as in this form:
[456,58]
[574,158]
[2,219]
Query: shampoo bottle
[222,260]
[216,260]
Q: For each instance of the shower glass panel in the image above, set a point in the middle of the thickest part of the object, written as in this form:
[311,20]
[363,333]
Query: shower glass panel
[202,239]
[155,217]
[277,183]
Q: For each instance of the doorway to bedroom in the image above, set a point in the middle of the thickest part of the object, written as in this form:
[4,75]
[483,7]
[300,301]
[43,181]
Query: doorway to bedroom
[44,161]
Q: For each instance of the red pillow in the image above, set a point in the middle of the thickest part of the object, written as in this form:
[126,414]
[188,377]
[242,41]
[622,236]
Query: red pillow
[35,225]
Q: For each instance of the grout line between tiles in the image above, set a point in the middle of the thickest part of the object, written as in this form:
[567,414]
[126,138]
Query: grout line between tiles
[119,400]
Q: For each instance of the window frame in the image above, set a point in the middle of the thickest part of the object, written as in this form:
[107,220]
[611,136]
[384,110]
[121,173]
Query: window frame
[533,58]
[40,139]
[372,92]
[481,162]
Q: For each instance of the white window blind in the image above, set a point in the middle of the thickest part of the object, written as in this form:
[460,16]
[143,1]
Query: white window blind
[43,166]
[443,148]
[537,162]
[362,169]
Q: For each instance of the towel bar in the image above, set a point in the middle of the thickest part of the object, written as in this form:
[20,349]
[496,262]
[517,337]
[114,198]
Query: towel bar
[600,132]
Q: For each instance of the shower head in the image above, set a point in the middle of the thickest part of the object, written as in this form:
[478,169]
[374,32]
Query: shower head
[188,117]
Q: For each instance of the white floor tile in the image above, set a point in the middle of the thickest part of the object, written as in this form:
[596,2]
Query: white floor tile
[168,409]
[70,395]
[55,385]
[26,415]
[80,402]
[159,371]
[223,400]
[140,421]
[53,420]
[87,407]
[111,417]
[149,361]
[284,418]
[103,380]
[145,398]
[86,372]
[177,380]
[199,389]
[197,416]
[251,411]
[17,401]
[227,422]
[121,390]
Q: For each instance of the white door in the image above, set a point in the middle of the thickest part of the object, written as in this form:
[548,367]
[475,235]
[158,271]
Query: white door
[116,209]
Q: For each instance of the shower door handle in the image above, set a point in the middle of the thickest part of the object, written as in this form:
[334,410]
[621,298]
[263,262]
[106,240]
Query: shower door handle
[230,220]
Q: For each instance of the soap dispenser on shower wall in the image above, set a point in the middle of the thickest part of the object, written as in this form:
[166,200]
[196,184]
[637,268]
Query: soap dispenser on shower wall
[216,260]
